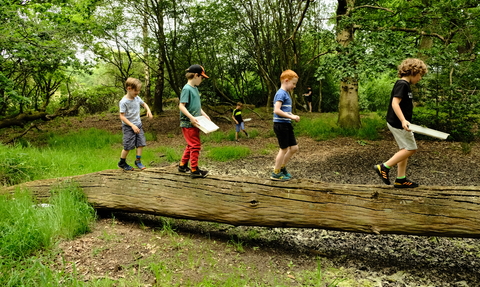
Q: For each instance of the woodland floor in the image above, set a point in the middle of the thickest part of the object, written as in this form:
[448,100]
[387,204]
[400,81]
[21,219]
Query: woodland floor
[367,260]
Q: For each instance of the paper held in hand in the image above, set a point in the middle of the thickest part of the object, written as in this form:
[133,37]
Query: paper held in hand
[247,120]
[428,132]
[206,125]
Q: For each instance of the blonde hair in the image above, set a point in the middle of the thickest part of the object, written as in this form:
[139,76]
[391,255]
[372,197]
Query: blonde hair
[288,75]
[412,67]
[133,83]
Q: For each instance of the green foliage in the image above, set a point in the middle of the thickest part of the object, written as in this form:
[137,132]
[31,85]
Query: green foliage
[325,127]
[228,153]
[26,226]
[374,94]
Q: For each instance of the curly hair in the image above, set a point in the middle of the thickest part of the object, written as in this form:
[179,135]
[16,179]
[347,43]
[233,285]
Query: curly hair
[412,67]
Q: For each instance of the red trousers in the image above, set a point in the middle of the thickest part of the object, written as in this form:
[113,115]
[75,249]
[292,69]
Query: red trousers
[192,150]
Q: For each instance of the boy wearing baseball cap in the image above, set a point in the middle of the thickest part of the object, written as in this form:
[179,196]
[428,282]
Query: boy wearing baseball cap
[190,107]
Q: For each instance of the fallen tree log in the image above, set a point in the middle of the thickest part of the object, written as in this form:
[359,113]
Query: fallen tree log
[452,211]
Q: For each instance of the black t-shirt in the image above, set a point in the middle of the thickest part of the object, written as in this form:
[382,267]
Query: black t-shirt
[402,90]
[308,96]
[238,115]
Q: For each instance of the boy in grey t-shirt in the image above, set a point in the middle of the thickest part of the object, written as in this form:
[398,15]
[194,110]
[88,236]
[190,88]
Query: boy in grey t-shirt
[133,135]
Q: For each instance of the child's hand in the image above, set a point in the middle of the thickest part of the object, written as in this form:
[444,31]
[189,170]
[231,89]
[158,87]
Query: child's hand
[136,129]
[296,118]
[194,121]
[405,125]
[149,115]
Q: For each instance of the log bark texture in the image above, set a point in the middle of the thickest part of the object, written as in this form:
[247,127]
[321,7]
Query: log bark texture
[452,211]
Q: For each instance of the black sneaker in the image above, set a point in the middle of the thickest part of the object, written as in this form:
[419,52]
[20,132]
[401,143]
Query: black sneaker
[125,166]
[382,171]
[404,183]
[183,168]
[199,173]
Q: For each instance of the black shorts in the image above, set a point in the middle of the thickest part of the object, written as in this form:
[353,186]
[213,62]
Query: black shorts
[285,135]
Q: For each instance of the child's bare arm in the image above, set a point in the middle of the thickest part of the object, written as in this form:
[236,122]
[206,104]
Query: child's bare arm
[127,122]
[398,111]
[184,110]
[281,113]
[149,112]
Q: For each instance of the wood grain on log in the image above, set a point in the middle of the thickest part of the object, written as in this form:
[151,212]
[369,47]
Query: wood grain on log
[427,210]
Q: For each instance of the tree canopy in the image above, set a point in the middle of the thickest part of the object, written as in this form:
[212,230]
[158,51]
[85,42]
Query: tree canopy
[343,49]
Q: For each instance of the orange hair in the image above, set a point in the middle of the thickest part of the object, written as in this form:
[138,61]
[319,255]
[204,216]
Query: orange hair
[288,75]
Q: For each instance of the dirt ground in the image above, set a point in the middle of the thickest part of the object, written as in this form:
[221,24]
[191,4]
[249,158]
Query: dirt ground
[368,260]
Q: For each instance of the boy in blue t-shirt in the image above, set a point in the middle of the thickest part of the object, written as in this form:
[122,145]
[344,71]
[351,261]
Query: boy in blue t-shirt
[282,126]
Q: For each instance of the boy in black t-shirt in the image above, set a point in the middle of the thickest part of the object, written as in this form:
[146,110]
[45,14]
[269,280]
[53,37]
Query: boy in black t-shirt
[399,115]
[237,118]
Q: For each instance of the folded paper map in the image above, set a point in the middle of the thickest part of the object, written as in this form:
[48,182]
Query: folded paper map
[206,125]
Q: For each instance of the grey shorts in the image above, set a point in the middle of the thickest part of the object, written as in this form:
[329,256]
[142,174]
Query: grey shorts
[405,139]
[131,140]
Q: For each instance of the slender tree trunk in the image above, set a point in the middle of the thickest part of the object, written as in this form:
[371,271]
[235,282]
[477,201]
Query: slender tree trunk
[148,95]
[348,108]
[320,95]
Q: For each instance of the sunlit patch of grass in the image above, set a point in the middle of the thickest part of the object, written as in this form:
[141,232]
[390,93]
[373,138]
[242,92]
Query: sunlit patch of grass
[228,153]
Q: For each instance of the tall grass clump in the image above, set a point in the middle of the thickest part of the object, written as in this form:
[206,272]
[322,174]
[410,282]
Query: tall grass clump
[15,165]
[84,139]
[27,227]
[228,153]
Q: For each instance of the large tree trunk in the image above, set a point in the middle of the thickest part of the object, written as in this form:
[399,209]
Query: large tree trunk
[433,210]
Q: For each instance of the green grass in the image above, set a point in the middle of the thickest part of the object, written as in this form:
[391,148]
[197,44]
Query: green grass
[28,230]
[324,127]
[228,153]
[79,152]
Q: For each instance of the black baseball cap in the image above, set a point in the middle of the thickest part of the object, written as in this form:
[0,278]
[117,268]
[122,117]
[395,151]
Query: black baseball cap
[197,69]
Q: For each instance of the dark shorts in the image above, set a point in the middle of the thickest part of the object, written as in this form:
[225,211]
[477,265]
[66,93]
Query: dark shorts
[285,135]
[131,140]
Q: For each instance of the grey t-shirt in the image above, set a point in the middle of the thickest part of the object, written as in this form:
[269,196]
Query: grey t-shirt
[131,109]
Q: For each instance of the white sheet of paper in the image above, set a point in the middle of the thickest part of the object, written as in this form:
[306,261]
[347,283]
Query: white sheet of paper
[247,120]
[206,125]
[428,132]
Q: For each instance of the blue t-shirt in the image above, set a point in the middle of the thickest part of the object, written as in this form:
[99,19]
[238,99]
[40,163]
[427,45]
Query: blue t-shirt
[284,97]
[131,109]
